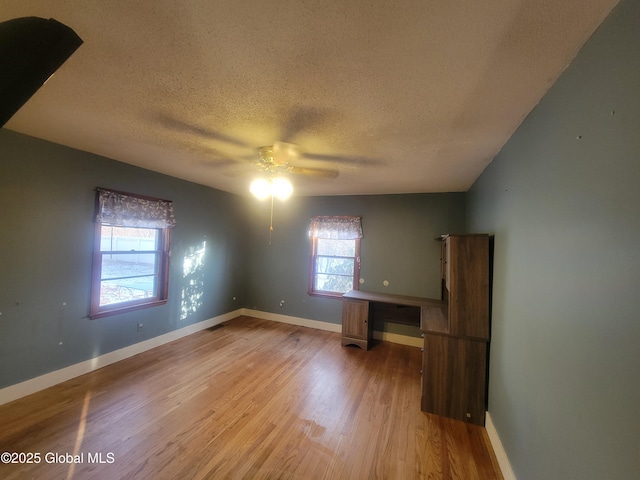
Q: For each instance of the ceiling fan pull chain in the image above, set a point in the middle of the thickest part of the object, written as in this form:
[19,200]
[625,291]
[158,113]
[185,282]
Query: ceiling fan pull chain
[271,220]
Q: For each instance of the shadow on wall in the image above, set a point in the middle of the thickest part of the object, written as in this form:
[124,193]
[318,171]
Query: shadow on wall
[192,280]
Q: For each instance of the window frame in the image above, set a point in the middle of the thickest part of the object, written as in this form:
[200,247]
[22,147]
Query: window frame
[163,261]
[313,270]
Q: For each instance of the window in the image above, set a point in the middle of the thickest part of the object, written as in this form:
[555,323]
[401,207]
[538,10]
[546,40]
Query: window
[335,255]
[131,252]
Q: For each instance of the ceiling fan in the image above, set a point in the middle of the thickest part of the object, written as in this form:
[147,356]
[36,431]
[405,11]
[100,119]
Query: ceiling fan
[280,158]
[274,161]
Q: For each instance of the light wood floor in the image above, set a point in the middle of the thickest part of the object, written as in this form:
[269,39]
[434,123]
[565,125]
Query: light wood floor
[248,399]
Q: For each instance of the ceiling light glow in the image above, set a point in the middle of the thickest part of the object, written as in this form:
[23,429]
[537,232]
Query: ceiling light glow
[273,187]
[260,188]
[281,188]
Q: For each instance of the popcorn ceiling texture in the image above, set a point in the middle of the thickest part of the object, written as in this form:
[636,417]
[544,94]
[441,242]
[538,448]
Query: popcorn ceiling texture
[399,97]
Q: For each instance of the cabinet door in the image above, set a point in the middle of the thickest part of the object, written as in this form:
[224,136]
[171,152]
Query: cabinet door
[355,322]
[454,373]
[468,285]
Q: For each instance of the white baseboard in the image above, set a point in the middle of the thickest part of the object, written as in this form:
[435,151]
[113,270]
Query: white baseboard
[19,390]
[331,327]
[498,449]
[302,322]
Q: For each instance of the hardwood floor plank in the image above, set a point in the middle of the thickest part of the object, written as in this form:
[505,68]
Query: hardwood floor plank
[249,399]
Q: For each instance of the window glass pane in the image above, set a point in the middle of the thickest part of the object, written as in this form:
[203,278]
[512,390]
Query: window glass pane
[333,283]
[128,238]
[116,291]
[343,248]
[129,265]
[342,266]
[334,266]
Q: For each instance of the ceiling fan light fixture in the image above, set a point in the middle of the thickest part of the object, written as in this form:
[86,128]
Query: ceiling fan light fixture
[273,187]
[281,188]
[260,188]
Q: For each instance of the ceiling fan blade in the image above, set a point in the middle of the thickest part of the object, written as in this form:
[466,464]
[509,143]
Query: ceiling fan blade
[313,172]
[214,158]
[299,120]
[239,170]
[344,159]
[184,127]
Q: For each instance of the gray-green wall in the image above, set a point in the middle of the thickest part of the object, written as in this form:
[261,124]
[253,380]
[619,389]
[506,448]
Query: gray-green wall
[563,199]
[398,246]
[47,194]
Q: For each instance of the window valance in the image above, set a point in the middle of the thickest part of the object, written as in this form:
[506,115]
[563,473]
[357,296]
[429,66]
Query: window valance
[129,210]
[337,228]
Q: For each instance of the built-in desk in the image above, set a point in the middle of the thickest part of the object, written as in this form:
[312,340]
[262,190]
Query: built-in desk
[456,347]
[361,309]
[455,329]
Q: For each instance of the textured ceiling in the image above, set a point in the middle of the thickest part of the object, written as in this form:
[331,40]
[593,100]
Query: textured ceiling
[395,96]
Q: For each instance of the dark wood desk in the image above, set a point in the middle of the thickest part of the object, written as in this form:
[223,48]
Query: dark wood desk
[361,309]
[455,329]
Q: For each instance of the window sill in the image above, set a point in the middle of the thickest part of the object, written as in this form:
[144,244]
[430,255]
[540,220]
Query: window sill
[326,294]
[125,308]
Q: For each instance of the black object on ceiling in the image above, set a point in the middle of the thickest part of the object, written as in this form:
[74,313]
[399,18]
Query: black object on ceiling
[31,50]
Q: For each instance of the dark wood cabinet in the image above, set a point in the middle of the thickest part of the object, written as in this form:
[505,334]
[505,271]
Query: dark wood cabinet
[455,328]
[465,260]
[361,309]
[356,327]
[456,343]
[454,377]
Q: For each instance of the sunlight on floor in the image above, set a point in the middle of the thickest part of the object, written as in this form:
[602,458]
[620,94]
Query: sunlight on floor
[80,436]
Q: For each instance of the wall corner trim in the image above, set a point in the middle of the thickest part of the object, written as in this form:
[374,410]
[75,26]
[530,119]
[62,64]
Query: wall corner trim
[498,449]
